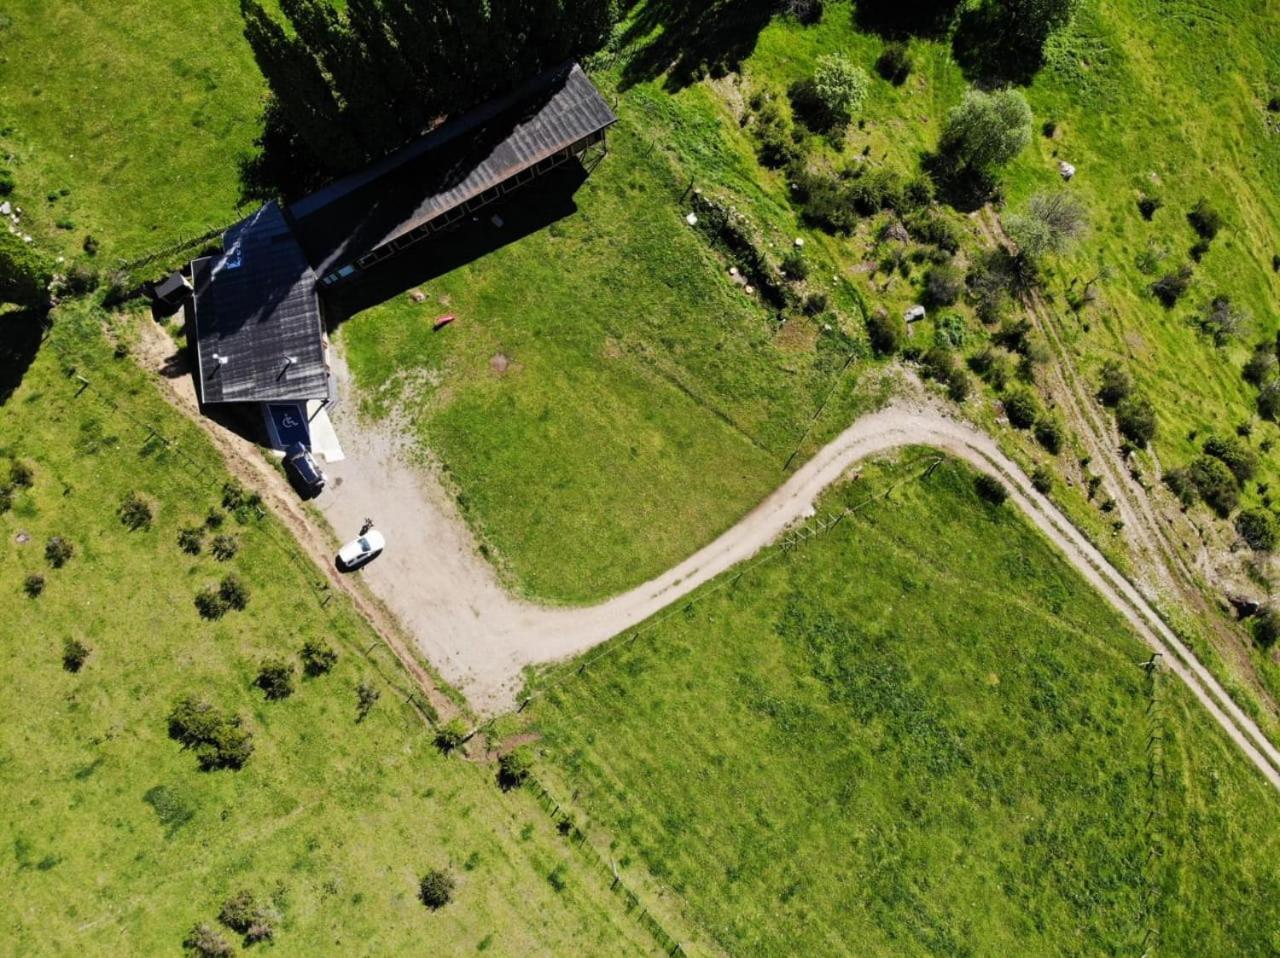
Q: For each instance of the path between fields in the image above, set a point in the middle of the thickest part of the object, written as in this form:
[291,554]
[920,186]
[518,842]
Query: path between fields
[481,638]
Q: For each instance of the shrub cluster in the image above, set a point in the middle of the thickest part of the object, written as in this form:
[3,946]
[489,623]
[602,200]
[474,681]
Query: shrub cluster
[885,331]
[58,551]
[894,63]
[367,696]
[135,513]
[1022,408]
[218,738]
[513,769]
[451,735]
[435,890]
[231,593]
[318,657]
[1258,528]
[731,232]
[275,678]
[245,915]
[74,654]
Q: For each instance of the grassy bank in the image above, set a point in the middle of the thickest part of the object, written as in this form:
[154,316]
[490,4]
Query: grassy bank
[116,842]
[923,733]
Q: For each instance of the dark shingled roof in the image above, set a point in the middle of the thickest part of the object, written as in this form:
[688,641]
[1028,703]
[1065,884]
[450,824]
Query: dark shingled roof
[255,305]
[460,159]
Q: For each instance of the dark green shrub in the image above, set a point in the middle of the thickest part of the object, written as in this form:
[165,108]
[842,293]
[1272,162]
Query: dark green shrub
[219,739]
[1266,628]
[204,941]
[1261,365]
[318,658]
[80,280]
[234,592]
[930,227]
[1136,420]
[1022,408]
[943,285]
[21,475]
[990,489]
[815,304]
[214,519]
[958,385]
[885,331]
[451,735]
[1235,454]
[58,551]
[1269,401]
[74,654]
[1198,249]
[1258,528]
[513,769]
[7,183]
[1147,206]
[6,497]
[937,363]
[210,604]
[1115,383]
[242,913]
[436,889]
[33,585]
[135,513]
[225,547]
[90,245]
[1205,220]
[1223,320]
[1042,480]
[1048,433]
[1180,484]
[894,63]
[275,678]
[366,698]
[1171,287]
[191,540]
[1215,484]
[794,265]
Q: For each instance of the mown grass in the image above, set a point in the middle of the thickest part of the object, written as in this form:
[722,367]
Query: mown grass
[921,733]
[114,842]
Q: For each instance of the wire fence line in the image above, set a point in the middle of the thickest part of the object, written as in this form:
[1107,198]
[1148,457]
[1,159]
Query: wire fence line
[1151,828]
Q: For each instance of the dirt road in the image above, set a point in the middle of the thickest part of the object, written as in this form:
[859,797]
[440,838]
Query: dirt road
[480,637]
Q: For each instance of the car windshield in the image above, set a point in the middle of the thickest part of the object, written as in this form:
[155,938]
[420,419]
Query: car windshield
[364,544]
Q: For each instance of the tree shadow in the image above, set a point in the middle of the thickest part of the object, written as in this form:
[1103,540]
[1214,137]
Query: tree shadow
[20,334]
[522,212]
[899,19]
[991,54]
[963,189]
[697,39]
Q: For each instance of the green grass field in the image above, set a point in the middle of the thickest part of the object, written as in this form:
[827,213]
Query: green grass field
[115,842]
[920,733]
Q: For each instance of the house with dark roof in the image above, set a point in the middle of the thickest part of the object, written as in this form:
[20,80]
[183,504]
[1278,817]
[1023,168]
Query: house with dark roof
[257,308]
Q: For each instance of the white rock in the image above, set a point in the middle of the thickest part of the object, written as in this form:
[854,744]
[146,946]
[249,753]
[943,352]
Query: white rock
[692,219]
[799,242]
[914,313]
[5,208]
[1066,170]
[26,237]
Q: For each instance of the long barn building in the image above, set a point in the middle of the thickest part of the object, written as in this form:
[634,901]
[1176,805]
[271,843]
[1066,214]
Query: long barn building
[257,311]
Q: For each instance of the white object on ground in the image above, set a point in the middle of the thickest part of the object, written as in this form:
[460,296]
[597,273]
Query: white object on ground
[1066,170]
[692,219]
[914,313]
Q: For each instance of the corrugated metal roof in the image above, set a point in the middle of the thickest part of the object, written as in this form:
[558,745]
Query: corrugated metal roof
[459,160]
[259,333]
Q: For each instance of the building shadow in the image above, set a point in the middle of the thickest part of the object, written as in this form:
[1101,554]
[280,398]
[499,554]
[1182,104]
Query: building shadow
[520,213]
[20,334]
[697,39]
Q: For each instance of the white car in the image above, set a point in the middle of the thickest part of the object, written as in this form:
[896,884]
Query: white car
[361,550]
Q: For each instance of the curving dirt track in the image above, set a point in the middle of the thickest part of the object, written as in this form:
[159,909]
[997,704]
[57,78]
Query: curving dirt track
[481,638]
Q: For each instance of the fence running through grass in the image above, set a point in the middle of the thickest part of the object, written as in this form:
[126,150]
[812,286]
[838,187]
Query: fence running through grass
[1151,828]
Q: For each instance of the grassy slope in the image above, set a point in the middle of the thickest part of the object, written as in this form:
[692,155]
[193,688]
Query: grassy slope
[336,819]
[139,110]
[921,733]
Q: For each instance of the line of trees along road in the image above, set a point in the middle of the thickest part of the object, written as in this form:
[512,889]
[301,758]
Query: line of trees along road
[349,87]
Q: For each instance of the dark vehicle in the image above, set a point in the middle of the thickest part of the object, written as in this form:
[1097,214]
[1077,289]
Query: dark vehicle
[303,469]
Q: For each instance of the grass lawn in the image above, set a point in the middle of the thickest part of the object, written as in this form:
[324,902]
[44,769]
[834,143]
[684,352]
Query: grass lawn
[923,733]
[115,842]
[139,111]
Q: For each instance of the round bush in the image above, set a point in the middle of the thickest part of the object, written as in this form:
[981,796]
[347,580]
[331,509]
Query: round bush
[234,592]
[33,585]
[74,654]
[1115,383]
[318,658]
[513,769]
[135,513]
[1258,528]
[1136,419]
[58,551]
[275,678]
[1049,434]
[436,888]
[1022,408]
[885,332]
[1235,454]
[841,87]
[1215,484]
[990,489]
[451,735]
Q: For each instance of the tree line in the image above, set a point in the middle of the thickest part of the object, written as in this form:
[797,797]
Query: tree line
[348,87]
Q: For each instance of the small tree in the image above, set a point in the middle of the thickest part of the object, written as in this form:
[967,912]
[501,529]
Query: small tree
[135,513]
[436,888]
[943,285]
[1261,365]
[74,654]
[985,131]
[451,735]
[204,941]
[1050,223]
[234,592]
[1223,320]
[1136,420]
[367,697]
[894,63]
[1171,287]
[1258,528]
[885,331]
[1215,484]
[33,585]
[1236,454]
[58,551]
[513,769]
[317,657]
[1048,433]
[958,385]
[1266,628]
[1022,408]
[275,678]
[794,266]
[840,87]
[1115,383]
[990,489]
[1042,480]
[225,547]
